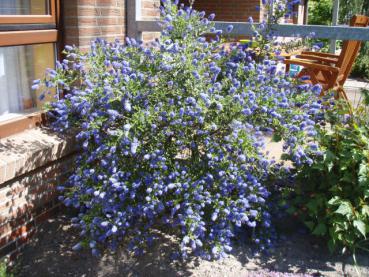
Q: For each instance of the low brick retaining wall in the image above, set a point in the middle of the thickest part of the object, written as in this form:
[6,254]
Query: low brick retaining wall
[32,165]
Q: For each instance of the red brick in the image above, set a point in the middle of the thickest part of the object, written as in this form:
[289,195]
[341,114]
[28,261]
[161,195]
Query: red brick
[30,196]
[231,10]
[15,212]
[5,228]
[90,19]
[150,13]
[73,22]
[46,215]
[24,238]
[99,2]
[150,5]
[21,231]
[4,241]
[95,31]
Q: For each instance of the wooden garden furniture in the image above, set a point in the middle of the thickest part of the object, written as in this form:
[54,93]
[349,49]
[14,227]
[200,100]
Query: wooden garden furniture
[330,70]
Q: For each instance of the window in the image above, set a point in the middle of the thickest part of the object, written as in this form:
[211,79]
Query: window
[25,8]
[27,11]
[28,37]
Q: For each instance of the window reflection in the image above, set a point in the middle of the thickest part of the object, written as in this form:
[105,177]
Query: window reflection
[24,7]
[19,66]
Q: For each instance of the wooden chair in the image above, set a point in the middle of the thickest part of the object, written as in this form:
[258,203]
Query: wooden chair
[330,70]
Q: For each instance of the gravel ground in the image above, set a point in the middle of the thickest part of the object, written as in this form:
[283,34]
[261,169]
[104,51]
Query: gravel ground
[298,254]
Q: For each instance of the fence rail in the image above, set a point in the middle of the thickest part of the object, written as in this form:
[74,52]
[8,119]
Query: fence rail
[285,30]
[136,27]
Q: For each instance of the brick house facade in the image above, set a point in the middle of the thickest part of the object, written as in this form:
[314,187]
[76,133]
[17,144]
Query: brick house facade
[234,10]
[32,160]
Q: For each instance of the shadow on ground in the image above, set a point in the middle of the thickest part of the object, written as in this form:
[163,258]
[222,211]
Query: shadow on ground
[295,255]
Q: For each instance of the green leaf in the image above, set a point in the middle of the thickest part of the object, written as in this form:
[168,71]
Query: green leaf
[331,246]
[344,209]
[276,138]
[365,93]
[333,201]
[328,159]
[365,210]
[319,166]
[363,173]
[347,177]
[313,205]
[330,166]
[285,157]
[309,224]
[320,230]
[329,156]
[291,210]
[360,226]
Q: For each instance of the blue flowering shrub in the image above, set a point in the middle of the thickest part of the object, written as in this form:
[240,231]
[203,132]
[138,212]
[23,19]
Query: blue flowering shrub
[172,134]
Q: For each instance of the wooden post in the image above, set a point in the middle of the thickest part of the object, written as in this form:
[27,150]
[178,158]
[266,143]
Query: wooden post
[306,12]
[336,7]
[271,11]
[133,15]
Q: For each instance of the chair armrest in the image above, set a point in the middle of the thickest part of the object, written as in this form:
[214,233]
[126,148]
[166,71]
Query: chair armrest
[320,54]
[317,58]
[290,54]
[313,65]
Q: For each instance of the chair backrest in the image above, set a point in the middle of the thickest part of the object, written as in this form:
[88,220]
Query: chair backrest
[350,49]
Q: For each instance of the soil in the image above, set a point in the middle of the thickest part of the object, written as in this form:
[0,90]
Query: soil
[297,254]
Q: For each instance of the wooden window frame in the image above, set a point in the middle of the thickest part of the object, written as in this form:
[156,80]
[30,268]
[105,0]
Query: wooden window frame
[28,37]
[32,19]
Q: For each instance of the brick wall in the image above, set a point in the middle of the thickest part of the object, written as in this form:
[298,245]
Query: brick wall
[27,201]
[32,164]
[240,10]
[230,10]
[150,11]
[84,20]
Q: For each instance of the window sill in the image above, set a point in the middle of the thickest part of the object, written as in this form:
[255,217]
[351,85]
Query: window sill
[29,150]
[21,123]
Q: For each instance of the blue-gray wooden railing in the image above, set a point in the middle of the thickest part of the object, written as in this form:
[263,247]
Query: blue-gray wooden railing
[136,26]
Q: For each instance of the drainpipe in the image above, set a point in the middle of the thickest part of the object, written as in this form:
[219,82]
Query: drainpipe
[336,7]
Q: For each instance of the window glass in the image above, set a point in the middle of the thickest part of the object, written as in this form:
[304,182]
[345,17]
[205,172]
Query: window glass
[24,7]
[19,66]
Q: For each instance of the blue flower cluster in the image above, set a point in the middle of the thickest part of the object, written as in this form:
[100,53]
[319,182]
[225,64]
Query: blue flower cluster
[172,135]
[275,12]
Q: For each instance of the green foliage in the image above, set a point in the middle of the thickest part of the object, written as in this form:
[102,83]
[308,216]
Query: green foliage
[3,270]
[320,12]
[361,66]
[349,8]
[332,195]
